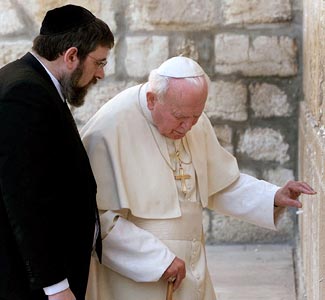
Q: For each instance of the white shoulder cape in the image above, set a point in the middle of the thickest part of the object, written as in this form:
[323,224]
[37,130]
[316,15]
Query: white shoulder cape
[129,169]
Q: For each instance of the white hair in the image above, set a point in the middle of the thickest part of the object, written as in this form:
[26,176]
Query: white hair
[159,84]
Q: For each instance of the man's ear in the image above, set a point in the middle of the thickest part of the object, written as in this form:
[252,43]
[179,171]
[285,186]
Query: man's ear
[70,58]
[151,100]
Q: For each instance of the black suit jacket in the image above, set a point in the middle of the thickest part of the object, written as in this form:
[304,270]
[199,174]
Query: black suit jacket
[47,189]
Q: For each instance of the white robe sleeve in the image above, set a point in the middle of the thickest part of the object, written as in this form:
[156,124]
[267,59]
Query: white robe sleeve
[131,251]
[250,200]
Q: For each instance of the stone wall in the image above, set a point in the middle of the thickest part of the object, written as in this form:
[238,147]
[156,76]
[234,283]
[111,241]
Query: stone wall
[312,149]
[251,51]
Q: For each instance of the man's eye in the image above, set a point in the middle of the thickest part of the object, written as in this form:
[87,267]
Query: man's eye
[101,64]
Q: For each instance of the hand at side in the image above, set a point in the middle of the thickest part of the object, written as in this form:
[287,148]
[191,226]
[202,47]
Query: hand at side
[64,295]
[176,269]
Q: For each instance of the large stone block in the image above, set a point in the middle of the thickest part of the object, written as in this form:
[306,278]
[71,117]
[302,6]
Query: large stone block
[264,144]
[267,100]
[263,56]
[254,12]
[172,15]
[227,101]
[231,49]
[145,53]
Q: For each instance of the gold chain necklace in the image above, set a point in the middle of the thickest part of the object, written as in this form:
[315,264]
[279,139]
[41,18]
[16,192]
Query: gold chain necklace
[178,154]
[157,144]
[181,175]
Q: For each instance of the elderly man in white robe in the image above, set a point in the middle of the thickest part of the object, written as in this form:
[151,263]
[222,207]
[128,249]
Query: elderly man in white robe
[158,163]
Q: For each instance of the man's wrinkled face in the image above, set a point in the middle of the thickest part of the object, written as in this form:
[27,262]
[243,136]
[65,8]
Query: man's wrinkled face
[180,109]
[75,86]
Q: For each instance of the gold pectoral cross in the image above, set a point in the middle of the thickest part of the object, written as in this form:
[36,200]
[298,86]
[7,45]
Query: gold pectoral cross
[182,177]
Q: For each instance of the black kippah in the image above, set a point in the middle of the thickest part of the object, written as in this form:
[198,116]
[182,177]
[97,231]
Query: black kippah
[64,19]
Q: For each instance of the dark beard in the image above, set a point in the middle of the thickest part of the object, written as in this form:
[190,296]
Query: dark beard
[74,94]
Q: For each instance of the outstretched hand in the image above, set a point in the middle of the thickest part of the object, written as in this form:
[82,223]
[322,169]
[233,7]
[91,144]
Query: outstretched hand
[287,196]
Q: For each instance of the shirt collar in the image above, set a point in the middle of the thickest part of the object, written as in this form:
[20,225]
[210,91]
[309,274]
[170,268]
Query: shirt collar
[54,80]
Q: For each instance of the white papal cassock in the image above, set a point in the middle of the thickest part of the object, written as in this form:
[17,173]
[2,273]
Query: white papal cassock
[146,219]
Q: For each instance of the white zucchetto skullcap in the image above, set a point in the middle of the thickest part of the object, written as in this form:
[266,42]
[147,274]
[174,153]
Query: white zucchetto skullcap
[180,67]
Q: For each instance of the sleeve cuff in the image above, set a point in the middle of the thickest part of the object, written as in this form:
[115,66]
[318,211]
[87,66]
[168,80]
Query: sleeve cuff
[56,288]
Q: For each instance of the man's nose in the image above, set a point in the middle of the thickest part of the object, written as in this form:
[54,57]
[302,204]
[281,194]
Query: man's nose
[100,73]
[187,124]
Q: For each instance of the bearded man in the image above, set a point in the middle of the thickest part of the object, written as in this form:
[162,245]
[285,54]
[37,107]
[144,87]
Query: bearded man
[45,175]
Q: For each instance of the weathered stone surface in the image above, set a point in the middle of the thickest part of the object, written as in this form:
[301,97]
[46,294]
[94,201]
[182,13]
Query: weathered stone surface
[224,134]
[258,11]
[311,149]
[206,223]
[297,5]
[267,100]
[312,225]
[110,67]
[107,12]
[231,230]
[97,96]
[35,10]
[264,144]
[231,48]
[227,101]
[10,23]
[279,176]
[314,73]
[171,15]
[249,172]
[145,53]
[13,50]
[188,48]
[265,56]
